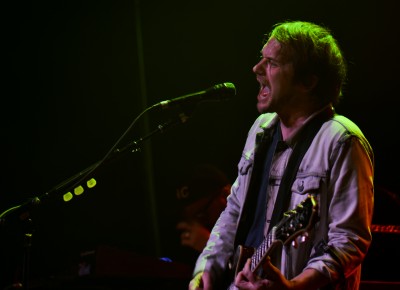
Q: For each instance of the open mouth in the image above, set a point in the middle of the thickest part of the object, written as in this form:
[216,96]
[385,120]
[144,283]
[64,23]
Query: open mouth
[264,91]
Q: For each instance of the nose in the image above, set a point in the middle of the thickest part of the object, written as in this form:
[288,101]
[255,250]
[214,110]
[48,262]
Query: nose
[258,68]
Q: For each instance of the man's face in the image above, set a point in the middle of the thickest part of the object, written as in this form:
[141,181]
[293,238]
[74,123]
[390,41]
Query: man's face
[275,74]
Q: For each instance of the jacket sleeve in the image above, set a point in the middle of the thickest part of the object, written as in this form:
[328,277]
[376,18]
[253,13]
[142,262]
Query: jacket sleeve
[219,249]
[350,207]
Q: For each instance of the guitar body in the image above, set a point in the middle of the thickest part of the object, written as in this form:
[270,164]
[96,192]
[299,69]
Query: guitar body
[242,254]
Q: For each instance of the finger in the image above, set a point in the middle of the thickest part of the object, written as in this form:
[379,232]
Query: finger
[247,268]
[245,276]
[241,281]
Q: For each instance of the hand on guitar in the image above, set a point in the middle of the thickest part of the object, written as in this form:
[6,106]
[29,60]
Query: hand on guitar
[309,279]
[248,280]
[202,281]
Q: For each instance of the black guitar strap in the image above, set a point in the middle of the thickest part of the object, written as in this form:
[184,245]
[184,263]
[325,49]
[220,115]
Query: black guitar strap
[263,142]
[256,233]
[307,136]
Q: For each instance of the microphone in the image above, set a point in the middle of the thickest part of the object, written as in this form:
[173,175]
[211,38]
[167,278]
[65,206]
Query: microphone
[218,92]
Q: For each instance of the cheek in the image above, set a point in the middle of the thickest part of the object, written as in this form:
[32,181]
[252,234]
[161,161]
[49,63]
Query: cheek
[268,73]
[273,74]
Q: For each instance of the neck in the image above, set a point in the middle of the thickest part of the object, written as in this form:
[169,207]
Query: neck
[291,122]
[289,128]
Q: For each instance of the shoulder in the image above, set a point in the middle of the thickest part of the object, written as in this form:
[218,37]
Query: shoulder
[264,121]
[343,129]
[343,123]
[260,125]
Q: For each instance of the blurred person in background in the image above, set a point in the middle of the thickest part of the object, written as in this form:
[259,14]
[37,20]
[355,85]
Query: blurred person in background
[202,197]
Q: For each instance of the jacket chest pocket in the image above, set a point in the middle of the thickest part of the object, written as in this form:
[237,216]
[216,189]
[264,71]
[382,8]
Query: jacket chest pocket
[307,185]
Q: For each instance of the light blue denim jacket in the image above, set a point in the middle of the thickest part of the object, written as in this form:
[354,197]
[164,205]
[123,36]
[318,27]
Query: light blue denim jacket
[339,167]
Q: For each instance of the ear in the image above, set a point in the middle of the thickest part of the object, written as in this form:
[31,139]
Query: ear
[309,83]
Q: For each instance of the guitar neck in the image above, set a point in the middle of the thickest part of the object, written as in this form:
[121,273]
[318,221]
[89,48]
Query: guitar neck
[263,250]
[294,223]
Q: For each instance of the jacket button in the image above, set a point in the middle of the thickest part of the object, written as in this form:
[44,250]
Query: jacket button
[300,187]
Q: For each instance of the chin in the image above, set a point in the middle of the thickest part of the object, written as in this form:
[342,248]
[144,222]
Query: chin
[263,108]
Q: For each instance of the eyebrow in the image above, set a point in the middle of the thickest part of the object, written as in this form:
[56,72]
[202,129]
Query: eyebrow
[271,58]
[268,58]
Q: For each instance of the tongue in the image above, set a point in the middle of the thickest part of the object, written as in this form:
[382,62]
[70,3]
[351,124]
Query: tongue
[265,91]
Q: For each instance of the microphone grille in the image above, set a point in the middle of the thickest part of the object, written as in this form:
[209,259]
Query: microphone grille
[226,90]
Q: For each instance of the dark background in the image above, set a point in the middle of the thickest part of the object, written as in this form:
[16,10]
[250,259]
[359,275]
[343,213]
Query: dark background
[77,73]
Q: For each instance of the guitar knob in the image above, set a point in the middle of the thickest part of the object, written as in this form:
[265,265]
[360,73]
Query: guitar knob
[295,244]
[304,237]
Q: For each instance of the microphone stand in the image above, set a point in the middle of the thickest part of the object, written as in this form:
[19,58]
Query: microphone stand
[23,210]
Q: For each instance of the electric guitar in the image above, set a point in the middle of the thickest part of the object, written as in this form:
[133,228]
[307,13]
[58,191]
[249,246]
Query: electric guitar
[294,223]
